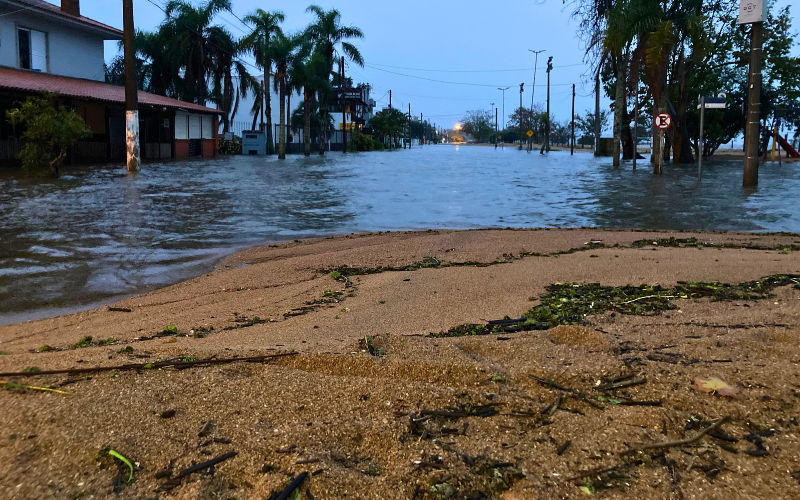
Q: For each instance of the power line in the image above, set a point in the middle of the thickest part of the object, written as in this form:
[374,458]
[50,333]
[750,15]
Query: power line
[471,71]
[454,83]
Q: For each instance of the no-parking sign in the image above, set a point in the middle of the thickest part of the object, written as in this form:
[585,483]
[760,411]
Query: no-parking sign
[663,121]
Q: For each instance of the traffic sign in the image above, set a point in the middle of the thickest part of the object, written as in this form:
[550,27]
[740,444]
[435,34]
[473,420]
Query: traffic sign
[529,133]
[663,121]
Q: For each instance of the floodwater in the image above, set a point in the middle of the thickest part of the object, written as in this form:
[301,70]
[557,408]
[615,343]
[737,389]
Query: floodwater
[98,234]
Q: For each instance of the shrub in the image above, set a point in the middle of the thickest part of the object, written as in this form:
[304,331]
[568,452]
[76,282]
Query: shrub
[49,130]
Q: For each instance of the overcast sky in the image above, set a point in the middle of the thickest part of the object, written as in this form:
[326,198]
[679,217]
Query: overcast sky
[474,44]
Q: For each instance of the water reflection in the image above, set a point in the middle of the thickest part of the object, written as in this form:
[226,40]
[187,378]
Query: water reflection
[100,233]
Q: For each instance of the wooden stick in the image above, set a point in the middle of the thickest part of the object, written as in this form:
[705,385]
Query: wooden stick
[547,382]
[680,442]
[621,384]
[292,486]
[207,463]
[142,366]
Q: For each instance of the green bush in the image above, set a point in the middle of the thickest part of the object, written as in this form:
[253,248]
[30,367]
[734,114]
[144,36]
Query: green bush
[49,130]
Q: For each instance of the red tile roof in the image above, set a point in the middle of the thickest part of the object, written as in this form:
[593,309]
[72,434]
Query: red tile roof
[49,8]
[31,81]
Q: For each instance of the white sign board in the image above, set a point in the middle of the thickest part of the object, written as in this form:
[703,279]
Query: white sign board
[752,11]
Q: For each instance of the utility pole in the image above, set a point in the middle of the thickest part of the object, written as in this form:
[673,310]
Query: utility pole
[572,139]
[533,92]
[636,123]
[546,146]
[344,117]
[390,99]
[521,88]
[409,126]
[597,113]
[495,128]
[700,141]
[131,93]
[422,130]
[751,135]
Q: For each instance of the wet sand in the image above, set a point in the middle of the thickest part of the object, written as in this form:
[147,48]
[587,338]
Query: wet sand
[353,415]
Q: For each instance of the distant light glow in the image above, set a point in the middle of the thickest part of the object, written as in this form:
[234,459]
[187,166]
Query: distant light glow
[457,126]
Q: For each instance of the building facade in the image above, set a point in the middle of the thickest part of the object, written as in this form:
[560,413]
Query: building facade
[45,48]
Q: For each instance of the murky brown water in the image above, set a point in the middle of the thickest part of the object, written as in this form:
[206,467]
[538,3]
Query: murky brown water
[98,233]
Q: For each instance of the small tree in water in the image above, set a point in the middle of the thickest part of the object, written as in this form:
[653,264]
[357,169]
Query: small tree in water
[49,131]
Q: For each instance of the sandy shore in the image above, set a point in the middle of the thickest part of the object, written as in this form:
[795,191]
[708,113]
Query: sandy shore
[355,418]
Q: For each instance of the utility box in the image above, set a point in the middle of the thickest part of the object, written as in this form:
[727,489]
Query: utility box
[606,146]
[254,142]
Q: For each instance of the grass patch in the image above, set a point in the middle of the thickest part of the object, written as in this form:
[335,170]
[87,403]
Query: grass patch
[108,341]
[44,348]
[126,350]
[84,342]
[571,303]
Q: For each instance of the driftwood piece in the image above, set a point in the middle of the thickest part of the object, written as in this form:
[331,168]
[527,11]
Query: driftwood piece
[679,442]
[207,463]
[142,366]
[296,482]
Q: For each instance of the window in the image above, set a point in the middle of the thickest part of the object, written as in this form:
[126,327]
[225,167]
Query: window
[32,49]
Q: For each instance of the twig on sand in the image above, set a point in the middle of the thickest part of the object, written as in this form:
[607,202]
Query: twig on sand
[571,392]
[207,463]
[621,384]
[680,442]
[296,482]
[12,385]
[143,366]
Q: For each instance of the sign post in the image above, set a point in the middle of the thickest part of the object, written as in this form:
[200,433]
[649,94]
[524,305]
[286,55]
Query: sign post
[719,102]
[662,122]
[753,12]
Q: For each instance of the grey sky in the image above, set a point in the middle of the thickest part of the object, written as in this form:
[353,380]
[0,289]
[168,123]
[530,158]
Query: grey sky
[469,35]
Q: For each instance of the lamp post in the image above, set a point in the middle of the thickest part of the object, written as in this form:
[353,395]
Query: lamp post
[533,91]
[504,104]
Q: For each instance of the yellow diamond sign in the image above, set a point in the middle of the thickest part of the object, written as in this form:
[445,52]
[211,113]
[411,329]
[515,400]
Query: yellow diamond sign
[530,133]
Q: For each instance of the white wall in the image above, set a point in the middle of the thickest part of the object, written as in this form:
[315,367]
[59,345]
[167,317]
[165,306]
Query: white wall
[71,51]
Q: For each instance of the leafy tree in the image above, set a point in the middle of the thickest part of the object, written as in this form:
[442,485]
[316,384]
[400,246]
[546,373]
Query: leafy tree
[49,130]
[585,126]
[479,124]
[227,67]
[284,52]
[308,74]
[389,123]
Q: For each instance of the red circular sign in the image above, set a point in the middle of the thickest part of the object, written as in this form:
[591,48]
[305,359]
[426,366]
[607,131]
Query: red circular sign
[663,121]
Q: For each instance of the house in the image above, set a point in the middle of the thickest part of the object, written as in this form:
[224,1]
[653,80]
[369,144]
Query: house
[47,48]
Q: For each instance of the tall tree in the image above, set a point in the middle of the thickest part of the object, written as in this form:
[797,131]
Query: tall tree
[309,75]
[330,37]
[187,34]
[266,26]
[284,51]
[227,67]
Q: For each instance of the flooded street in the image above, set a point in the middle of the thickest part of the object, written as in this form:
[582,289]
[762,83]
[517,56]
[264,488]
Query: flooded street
[98,233]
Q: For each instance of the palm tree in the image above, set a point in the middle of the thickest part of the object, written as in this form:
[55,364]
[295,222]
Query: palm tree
[284,51]
[326,33]
[265,27]
[186,33]
[226,66]
[308,75]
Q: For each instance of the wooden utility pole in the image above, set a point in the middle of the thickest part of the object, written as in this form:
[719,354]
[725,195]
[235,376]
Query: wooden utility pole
[409,126]
[572,139]
[751,135]
[344,117]
[547,124]
[495,128]
[390,99]
[597,114]
[422,130]
[131,92]
[521,88]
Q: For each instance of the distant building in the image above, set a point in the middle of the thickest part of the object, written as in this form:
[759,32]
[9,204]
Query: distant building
[46,48]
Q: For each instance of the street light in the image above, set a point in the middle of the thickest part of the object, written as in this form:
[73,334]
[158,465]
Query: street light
[533,91]
[504,104]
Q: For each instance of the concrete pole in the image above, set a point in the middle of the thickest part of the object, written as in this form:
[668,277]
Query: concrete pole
[521,87]
[597,114]
[344,117]
[635,124]
[495,128]
[572,138]
[753,107]
[700,141]
[131,93]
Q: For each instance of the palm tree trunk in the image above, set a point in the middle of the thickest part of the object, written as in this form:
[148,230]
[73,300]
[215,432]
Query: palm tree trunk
[307,120]
[619,103]
[282,127]
[268,110]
